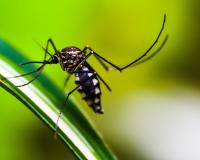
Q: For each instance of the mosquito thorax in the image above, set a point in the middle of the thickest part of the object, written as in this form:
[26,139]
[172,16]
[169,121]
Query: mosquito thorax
[70,57]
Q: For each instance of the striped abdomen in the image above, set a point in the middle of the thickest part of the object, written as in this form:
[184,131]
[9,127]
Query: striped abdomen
[89,87]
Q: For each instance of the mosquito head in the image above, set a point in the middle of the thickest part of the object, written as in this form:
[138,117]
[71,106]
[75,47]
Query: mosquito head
[70,57]
[55,59]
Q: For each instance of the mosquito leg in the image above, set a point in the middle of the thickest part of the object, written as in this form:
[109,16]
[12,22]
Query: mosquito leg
[26,74]
[39,70]
[153,54]
[41,62]
[66,100]
[30,62]
[135,61]
[148,58]
[102,80]
[49,41]
[60,111]
[52,44]
[149,47]
[46,50]
[88,55]
[100,61]
[99,57]
[38,74]
[45,54]
[102,58]
[54,47]
[66,80]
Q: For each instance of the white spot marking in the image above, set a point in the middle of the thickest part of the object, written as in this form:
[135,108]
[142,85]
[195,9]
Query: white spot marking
[96,100]
[90,74]
[94,81]
[97,90]
[80,87]
[77,79]
[85,69]
[98,107]
[74,53]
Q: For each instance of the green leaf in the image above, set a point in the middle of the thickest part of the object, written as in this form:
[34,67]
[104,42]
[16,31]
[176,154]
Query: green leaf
[44,99]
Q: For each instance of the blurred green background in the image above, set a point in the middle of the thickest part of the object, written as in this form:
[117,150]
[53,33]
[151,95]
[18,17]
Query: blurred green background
[154,109]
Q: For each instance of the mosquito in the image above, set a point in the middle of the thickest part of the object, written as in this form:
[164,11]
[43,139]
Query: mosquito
[73,60]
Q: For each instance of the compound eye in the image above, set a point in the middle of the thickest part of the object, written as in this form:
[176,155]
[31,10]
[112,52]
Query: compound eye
[55,59]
